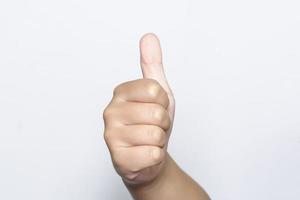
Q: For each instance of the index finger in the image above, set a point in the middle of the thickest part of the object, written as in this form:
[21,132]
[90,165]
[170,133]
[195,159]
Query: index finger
[142,90]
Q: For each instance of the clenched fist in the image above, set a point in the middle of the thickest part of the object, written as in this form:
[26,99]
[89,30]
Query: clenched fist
[138,120]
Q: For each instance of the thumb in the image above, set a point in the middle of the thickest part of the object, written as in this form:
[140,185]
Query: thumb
[151,60]
[151,64]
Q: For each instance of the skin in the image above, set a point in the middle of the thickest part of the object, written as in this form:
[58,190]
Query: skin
[138,123]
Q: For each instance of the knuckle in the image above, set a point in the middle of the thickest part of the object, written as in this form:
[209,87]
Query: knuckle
[166,99]
[130,176]
[159,114]
[153,88]
[167,122]
[156,154]
[158,136]
[108,111]
[108,138]
[133,169]
[121,164]
[117,160]
[116,90]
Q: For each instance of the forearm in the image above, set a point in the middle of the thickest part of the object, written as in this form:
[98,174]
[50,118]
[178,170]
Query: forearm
[173,183]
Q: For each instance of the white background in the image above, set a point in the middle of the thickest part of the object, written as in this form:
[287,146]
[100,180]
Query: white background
[234,67]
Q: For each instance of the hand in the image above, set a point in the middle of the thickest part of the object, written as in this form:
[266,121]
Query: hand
[139,118]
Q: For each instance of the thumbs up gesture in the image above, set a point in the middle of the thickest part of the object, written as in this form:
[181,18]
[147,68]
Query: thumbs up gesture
[139,118]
